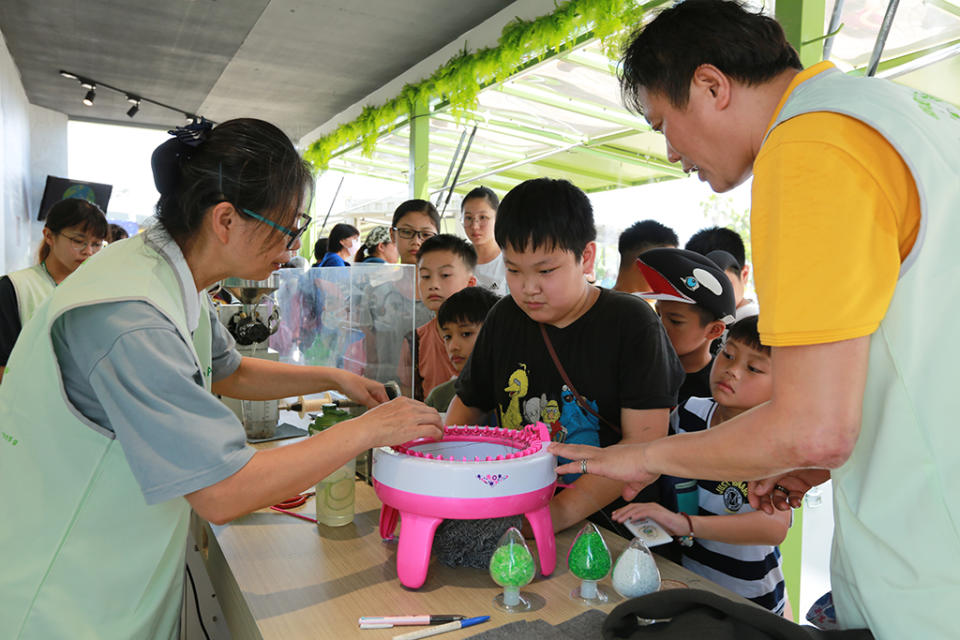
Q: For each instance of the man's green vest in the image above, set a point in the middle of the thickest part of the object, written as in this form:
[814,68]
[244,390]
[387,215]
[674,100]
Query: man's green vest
[84,556]
[896,547]
[33,285]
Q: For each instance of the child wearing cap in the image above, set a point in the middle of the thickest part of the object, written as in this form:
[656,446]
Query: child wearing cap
[695,301]
[620,375]
[460,319]
[712,239]
[726,540]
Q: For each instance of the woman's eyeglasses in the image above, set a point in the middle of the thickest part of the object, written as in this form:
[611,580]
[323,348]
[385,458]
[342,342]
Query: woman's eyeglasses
[79,244]
[303,221]
[407,233]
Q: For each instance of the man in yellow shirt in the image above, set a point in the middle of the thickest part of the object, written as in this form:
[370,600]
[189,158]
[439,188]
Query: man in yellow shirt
[854,201]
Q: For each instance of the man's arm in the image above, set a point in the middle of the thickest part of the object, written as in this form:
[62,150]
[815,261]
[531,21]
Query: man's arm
[590,492]
[259,379]
[459,413]
[812,421]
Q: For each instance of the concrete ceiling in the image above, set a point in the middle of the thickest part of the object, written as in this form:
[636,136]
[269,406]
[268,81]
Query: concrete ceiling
[296,63]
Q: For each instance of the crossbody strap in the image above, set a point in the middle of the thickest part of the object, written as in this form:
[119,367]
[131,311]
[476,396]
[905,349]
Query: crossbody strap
[566,380]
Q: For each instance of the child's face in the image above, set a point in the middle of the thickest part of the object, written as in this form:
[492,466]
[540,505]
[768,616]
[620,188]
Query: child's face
[442,274]
[548,284]
[478,219]
[419,226]
[741,377]
[458,339]
[682,323]
[737,281]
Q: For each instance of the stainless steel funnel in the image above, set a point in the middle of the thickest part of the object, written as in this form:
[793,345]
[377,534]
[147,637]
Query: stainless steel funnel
[251,291]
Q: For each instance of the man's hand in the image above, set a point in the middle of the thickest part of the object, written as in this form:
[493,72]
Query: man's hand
[623,462]
[786,491]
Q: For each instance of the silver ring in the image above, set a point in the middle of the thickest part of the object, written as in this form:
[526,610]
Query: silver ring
[782,489]
[583,466]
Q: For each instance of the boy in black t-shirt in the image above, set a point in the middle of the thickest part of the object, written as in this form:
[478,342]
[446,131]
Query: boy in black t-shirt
[611,345]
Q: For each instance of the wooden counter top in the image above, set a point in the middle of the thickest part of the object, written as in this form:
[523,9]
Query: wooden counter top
[281,577]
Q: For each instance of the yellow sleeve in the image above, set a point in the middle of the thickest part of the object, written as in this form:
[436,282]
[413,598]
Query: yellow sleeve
[834,208]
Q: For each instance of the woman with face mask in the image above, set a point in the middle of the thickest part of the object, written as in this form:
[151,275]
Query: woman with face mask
[343,242]
[111,434]
[74,230]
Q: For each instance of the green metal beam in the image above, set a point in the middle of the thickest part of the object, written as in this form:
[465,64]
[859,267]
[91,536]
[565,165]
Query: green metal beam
[803,23]
[572,105]
[647,162]
[419,149]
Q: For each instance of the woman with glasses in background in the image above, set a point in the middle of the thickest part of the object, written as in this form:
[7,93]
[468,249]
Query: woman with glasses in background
[111,434]
[479,215]
[75,230]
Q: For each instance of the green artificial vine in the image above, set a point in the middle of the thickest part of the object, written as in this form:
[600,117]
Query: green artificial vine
[460,80]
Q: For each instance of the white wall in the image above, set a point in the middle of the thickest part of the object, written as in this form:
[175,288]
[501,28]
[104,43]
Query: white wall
[33,143]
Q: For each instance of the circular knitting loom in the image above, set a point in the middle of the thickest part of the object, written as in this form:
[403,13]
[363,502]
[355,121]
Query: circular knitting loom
[473,473]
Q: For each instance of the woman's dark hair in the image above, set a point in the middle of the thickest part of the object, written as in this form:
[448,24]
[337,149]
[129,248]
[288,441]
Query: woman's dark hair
[116,232]
[662,56]
[484,193]
[548,213]
[247,162]
[338,234]
[320,249]
[417,206]
[74,212]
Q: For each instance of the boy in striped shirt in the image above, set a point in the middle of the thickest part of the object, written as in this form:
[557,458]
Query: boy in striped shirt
[729,542]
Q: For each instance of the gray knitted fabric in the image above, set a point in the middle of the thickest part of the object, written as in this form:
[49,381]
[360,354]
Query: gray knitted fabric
[470,543]
[586,626]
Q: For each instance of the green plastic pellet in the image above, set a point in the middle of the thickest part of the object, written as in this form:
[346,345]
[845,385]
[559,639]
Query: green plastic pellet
[589,558]
[512,566]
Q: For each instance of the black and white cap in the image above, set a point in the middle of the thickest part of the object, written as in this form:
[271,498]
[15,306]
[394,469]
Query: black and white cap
[686,276]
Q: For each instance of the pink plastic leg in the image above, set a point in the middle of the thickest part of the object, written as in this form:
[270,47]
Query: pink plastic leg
[413,552]
[388,521]
[542,527]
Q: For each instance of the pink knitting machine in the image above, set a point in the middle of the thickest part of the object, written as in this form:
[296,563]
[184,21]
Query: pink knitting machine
[473,473]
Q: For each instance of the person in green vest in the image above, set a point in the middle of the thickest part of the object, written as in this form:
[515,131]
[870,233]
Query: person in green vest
[109,432]
[74,230]
[853,216]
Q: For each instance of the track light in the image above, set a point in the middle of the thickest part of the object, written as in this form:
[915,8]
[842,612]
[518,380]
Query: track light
[135,102]
[91,86]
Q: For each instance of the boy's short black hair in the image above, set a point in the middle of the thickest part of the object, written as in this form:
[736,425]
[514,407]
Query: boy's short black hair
[662,56]
[548,213]
[713,238]
[467,305]
[746,331]
[455,245]
[646,234]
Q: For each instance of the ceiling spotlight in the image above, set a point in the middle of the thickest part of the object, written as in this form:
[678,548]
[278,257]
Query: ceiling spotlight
[132,111]
[67,74]
[90,97]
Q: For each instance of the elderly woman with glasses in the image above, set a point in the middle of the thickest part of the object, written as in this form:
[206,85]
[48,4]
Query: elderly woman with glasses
[74,230]
[111,434]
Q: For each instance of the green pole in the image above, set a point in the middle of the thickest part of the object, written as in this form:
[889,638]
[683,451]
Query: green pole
[803,22]
[419,149]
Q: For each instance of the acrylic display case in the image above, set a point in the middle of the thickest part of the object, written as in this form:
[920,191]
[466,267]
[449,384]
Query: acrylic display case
[359,318]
